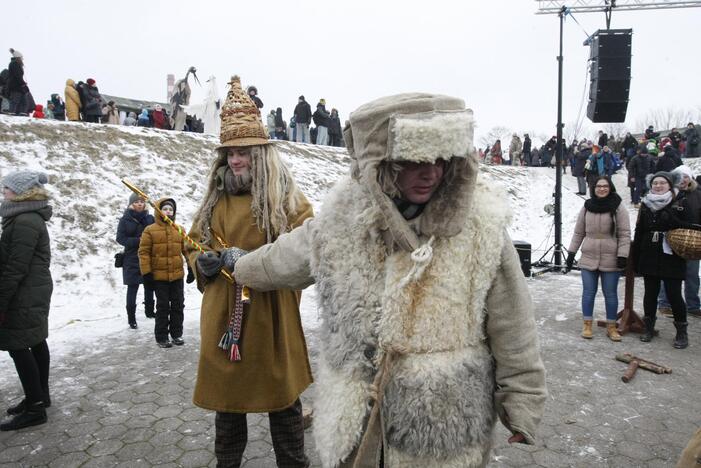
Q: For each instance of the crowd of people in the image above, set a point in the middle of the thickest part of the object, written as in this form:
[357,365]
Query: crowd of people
[409,232]
[83,102]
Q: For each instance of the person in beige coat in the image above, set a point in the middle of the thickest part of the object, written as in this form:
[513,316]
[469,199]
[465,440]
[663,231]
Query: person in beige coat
[427,325]
[72,99]
[603,233]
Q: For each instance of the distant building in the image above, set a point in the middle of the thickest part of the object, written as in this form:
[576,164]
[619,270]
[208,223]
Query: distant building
[171,85]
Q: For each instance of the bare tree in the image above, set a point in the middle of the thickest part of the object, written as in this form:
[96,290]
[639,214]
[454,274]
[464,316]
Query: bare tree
[615,129]
[667,118]
[496,133]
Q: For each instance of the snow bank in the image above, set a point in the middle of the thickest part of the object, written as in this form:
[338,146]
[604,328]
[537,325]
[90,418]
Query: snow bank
[86,162]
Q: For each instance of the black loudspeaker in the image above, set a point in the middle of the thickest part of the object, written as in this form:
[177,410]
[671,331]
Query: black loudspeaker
[610,56]
[524,254]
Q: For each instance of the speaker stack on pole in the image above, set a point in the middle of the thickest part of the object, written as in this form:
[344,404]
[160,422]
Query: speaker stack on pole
[610,75]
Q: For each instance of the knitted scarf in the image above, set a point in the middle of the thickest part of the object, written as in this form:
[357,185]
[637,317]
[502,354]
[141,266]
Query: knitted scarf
[657,202]
[9,208]
[607,204]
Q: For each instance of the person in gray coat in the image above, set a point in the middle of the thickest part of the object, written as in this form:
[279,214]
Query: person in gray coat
[25,292]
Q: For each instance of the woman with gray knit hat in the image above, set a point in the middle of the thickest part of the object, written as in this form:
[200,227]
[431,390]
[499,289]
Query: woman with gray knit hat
[132,224]
[653,257]
[25,292]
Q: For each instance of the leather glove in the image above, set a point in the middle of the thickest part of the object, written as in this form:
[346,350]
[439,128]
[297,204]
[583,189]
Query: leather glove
[621,263]
[148,280]
[209,264]
[230,256]
[190,275]
[569,262]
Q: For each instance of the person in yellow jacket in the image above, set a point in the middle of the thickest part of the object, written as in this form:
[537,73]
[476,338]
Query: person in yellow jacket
[72,99]
[161,252]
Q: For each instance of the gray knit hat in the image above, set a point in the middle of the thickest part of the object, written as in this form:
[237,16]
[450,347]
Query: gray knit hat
[21,181]
[133,197]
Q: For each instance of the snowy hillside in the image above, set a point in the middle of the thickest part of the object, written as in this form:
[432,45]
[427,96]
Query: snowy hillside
[86,162]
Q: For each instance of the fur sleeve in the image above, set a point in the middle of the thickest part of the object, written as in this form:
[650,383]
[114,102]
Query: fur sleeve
[511,331]
[284,264]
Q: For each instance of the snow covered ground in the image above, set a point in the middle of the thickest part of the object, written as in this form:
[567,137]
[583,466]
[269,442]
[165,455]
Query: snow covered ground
[86,162]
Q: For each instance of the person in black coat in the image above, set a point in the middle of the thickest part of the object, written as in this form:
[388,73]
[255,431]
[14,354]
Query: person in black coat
[59,107]
[603,139]
[335,132]
[92,109]
[676,138]
[580,160]
[280,125]
[16,86]
[253,94]
[639,167]
[303,116]
[629,145]
[653,257]
[527,149]
[693,141]
[131,226]
[25,291]
[669,161]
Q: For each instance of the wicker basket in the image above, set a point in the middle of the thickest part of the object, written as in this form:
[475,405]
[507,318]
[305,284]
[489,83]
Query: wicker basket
[686,243]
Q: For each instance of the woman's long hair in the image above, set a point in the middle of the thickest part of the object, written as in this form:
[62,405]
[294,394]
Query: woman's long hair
[274,192]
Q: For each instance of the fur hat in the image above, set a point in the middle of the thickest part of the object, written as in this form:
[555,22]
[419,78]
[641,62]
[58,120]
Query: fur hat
[684,170]
[16,53]
[415,127]
[241,124]
[21,181]
[672,178]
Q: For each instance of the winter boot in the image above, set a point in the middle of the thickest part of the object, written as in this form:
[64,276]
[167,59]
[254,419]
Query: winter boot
[148,310]
[33,415]
[586,330]
[612,331]
[681,341]
[131,317]
[22,405]
[649,329]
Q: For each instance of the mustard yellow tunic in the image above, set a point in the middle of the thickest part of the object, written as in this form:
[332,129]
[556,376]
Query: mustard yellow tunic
[274,368]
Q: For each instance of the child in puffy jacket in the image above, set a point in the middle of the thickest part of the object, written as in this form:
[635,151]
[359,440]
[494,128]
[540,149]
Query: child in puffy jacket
[38,112]
[161,262]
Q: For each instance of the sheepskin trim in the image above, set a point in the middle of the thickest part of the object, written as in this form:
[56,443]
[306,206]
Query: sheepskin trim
[450,394]
[444,310]
[347,262]
[472,457]
[427,136]
[339,413]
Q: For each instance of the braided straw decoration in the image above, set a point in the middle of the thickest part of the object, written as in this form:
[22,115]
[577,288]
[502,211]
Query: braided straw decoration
[240,116]
[685,242]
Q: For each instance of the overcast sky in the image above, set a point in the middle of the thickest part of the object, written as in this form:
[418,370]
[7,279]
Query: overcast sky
[497,55]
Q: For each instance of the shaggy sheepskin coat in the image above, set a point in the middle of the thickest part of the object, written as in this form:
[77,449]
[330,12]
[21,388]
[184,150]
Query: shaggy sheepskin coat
[428,320]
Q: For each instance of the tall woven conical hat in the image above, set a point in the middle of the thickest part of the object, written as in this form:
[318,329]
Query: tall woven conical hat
[241,124]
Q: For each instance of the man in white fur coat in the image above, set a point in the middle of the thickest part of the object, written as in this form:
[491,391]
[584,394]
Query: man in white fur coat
[427,324]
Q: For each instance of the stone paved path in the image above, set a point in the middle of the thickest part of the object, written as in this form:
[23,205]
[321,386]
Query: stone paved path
[131,406]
